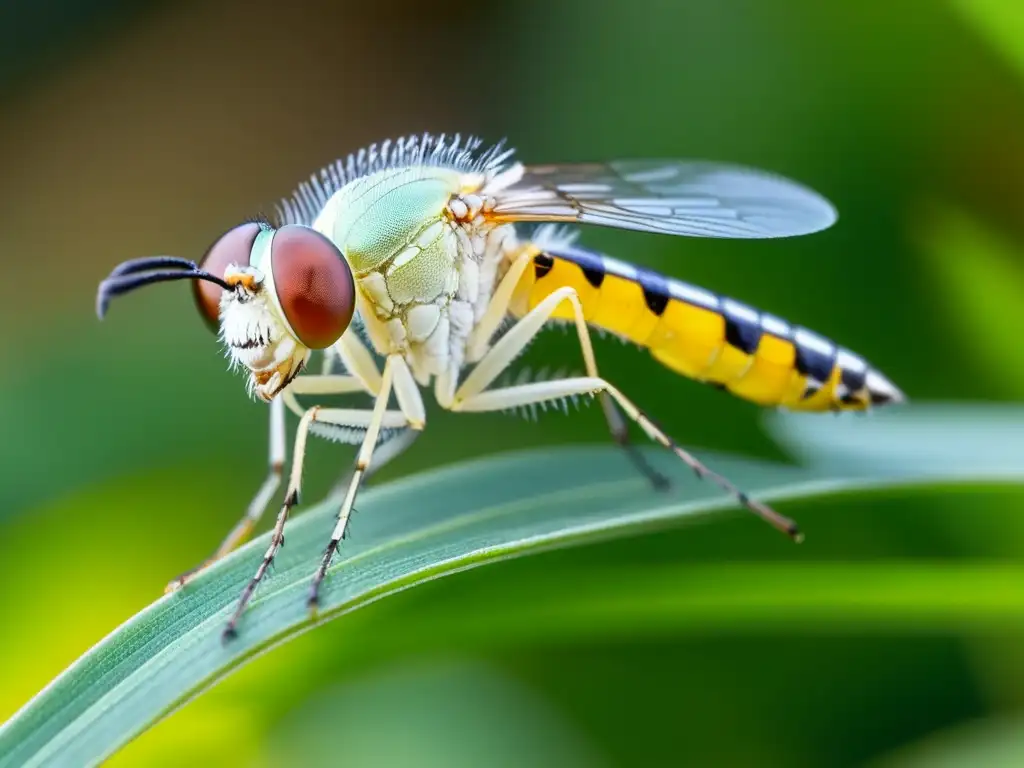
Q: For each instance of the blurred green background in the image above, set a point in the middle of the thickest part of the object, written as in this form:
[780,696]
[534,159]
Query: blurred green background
[128,450]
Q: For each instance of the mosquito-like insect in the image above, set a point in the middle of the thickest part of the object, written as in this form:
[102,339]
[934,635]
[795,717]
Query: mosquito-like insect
[414,250]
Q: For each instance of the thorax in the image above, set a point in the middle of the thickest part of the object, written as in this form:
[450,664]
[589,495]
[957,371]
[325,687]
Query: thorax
[424,273]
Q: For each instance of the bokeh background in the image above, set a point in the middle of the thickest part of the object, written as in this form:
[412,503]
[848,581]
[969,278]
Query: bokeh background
[128,450]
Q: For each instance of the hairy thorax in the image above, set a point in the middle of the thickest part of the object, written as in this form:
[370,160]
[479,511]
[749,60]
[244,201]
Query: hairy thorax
[425,260]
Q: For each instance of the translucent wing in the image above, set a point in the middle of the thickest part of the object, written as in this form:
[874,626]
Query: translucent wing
[674,197]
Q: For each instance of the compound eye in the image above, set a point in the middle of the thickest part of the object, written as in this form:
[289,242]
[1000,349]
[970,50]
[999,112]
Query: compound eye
[233,247]
[314,285]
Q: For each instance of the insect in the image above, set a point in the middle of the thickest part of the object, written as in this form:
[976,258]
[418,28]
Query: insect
[416,252]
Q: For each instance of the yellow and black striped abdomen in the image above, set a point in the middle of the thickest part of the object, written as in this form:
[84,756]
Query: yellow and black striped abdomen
[707,337]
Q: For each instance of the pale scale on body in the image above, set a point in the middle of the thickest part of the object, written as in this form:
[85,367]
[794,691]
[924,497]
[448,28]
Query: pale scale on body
[413,246]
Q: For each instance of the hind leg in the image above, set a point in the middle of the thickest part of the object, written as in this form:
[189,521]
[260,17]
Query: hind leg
[495,313]
[474,395]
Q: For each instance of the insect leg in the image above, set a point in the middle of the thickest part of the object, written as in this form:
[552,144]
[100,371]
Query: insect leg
[497,307]
[326,384]
[488,325]
[620,434]
[244,527]
[357,360]
[386,451]
[471,396]
[314,385]
[345,417]
[398,377]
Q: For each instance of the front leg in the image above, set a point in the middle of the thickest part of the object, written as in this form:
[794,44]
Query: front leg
[344,417]
[396,376]
[358,360]
[306,385]
[396,444]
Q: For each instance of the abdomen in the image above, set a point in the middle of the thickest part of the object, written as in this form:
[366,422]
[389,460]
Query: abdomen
[707,337]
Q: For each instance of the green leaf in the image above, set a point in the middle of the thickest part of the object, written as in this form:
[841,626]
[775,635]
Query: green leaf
[441,522]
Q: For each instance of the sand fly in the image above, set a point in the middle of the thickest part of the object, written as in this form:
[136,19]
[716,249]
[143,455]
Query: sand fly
[431,262]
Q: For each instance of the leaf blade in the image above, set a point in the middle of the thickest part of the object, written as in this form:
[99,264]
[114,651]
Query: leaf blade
[410,531]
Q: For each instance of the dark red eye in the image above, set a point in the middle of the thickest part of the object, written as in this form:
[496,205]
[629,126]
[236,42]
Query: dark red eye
[233,247]
[314,285]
